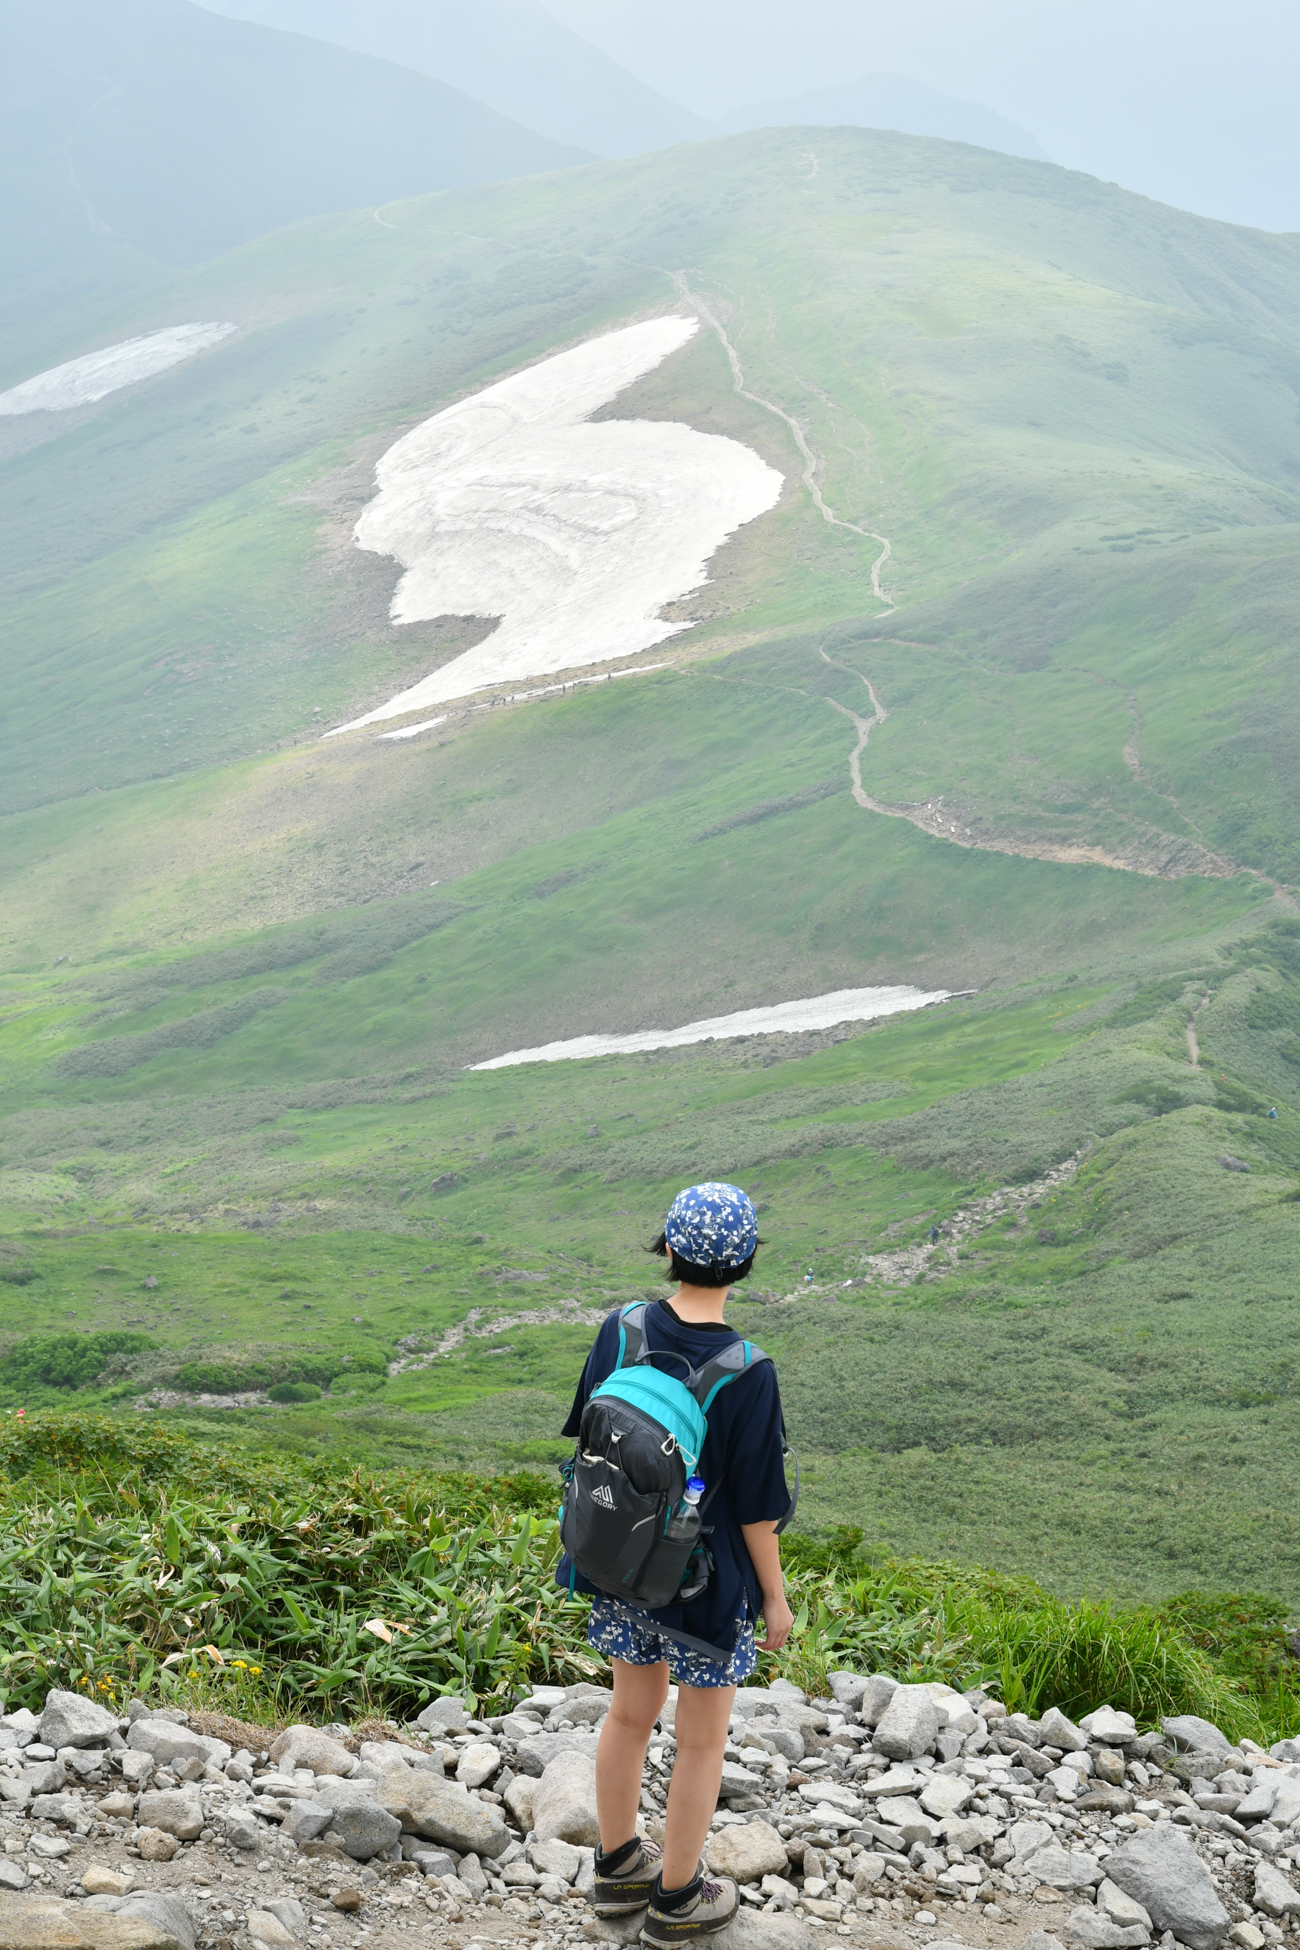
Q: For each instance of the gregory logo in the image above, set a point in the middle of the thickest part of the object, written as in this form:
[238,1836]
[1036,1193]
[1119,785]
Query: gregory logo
[603,1495]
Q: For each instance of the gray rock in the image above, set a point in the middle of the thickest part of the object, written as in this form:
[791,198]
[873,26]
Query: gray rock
[307,1820]
[288,1911]
[176,1811]
[66,1809]
[1096,1932]
[1285,1750]
[535,1755]
[429,1861]
[1264,1838]
[946,1794]
[1027,1836]
[1253,1806]
[44,1776]
[1059,1732]
[1194,1735]
[737,1780]
[341,1794]
[564,1806]
[756,1929]
[1064,1869]
[519,1798]
[1109,1728]
[478,1763]
[1161,1870]
[300,1746]
[136,1767]
[847,1688]
[241,1830]
[11,1876]
[877,1693]
[362,1829]
[909,1724]
[1286,1800]
[584,1712]
[556,1858]
[168,1743]
[788,1742]
[1274,1894]
[1121,1909]
[786,1689]
[71,1721]
[747,1854]
[264,1928]
[169,1913]
[1041,1940]
[443,1716]
[443,1812]
[14,1794]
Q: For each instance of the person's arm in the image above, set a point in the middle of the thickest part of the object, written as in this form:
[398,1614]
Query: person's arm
[764,1547]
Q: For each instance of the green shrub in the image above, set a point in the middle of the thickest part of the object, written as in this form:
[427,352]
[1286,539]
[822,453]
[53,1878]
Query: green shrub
[232,1377]
[18,1275]
[65,1360]
[126,1551]
[1146,1002]
[294,1391]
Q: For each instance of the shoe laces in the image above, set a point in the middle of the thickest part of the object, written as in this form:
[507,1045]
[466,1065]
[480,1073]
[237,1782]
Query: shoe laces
[710,1891]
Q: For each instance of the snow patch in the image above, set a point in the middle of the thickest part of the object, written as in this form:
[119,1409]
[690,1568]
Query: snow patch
[410,730]
[83,381]
[815,1012]
[510,505]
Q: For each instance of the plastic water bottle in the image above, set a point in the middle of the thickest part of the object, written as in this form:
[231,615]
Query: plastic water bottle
[694,1489]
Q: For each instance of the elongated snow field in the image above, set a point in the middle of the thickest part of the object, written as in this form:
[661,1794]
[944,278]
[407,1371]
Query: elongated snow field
[80,382]
[509,505]
[815,1012]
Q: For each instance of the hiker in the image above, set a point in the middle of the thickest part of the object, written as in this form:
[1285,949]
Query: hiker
[711,1492]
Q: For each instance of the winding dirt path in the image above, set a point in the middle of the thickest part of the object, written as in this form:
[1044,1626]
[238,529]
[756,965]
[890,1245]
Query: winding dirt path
[1158,856]
[1193,1043]
[811,460]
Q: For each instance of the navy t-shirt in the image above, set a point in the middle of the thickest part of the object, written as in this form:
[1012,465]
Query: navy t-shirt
[742,1451]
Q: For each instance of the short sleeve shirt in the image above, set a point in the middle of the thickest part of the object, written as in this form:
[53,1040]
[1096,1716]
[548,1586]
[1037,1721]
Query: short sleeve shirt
[742,1454]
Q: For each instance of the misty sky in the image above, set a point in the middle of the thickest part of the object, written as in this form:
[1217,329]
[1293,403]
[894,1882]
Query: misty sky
[1194,103]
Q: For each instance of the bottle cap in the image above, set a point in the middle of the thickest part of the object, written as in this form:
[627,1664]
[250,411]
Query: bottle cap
[695,1483]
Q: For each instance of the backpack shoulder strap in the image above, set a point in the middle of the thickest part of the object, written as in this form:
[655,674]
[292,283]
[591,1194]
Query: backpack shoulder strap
[631,1334]
[728,1364]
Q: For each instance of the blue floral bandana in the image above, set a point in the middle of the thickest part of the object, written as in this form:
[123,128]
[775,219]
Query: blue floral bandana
[712,1225]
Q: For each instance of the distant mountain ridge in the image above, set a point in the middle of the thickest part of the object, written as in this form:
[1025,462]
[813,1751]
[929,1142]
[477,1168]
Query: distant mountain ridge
[513,54]
[154,134]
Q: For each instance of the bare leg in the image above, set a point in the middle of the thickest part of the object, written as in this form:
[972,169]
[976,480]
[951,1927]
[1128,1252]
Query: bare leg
[701,1727]
[639,1692]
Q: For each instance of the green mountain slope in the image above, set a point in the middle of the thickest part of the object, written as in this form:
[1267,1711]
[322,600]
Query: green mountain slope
[1017,720]
[151,134]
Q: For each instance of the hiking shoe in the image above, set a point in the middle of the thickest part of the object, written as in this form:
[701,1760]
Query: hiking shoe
[712,1909]
[619,1895]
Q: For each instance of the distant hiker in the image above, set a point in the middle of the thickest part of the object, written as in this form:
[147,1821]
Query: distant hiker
[934,1235]
[673,1502]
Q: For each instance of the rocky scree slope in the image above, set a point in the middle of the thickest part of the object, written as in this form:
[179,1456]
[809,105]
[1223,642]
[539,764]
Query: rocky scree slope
[892,1814]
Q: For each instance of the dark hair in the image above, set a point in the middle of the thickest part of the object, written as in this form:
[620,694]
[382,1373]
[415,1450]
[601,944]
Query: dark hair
[686,1273]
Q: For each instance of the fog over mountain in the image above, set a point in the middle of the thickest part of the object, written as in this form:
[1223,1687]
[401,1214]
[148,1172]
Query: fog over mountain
[1177,99]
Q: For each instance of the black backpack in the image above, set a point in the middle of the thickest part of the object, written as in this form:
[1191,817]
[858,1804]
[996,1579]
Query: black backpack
[624,1519]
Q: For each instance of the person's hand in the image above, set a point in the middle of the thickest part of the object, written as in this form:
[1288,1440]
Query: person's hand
[778,1622]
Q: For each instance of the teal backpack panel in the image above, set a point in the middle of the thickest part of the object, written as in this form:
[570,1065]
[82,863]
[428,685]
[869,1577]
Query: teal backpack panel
[669,1401]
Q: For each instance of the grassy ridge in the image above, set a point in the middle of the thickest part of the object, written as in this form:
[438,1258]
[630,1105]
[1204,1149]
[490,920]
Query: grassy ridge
[1101,1394]
[132,1564]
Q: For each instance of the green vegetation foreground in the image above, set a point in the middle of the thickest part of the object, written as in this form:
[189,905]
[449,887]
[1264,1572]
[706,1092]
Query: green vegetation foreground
[133,1559]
